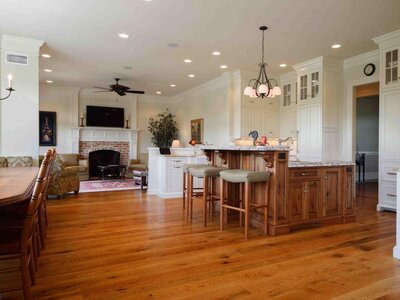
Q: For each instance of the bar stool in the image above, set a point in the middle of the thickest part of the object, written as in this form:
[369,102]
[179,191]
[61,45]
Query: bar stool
[246,178]
[207,173]
[185,169]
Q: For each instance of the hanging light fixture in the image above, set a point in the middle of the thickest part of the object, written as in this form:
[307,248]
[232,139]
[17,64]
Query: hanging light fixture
[10,89]
[262,86]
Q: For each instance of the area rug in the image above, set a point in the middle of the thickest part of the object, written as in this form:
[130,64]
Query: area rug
[92,186]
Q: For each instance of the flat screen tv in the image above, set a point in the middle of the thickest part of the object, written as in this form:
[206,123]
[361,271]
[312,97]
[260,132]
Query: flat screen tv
[100,116]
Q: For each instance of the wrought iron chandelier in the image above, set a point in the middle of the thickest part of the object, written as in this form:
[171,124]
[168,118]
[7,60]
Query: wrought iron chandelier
[262,86]
[10,89]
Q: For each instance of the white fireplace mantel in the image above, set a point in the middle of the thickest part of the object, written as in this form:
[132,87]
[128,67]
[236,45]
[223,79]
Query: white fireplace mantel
[105,134]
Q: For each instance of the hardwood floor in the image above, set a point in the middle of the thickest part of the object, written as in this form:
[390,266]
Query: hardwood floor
[127,245]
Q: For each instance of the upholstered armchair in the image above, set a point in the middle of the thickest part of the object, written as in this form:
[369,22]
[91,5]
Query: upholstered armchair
[3,162]
[63,179]
[138,164]
[74,160]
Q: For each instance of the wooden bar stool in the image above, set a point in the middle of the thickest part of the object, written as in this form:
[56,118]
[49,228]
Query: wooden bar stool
[185,169]
[246,178]
[207,173]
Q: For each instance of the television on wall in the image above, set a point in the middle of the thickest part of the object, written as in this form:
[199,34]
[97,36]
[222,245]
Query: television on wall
[100,116]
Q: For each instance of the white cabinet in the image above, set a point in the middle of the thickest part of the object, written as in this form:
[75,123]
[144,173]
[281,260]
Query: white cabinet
[389,119]
[288,106]
[259,115]
[166,171]
[319,109]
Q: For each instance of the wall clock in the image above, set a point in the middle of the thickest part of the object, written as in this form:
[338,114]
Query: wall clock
[369,69]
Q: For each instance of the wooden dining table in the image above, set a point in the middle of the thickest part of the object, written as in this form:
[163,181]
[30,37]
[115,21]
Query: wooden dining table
[16,184]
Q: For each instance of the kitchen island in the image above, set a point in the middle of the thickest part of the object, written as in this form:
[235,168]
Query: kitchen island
[302,194]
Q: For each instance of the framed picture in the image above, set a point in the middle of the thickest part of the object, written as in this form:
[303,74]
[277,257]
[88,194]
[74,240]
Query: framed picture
[197,130]
[47,128]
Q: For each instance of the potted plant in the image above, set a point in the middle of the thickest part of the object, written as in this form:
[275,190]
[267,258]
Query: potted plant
[163,129]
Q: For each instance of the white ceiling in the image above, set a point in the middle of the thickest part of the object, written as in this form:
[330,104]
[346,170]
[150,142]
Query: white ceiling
[82,36]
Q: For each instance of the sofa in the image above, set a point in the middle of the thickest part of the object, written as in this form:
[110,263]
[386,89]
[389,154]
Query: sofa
[74,160]
[16,161]
[63,178]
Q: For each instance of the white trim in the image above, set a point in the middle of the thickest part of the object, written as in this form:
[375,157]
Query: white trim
[396,249]
[16,43]
[361,59]
[387,40]
[351,119]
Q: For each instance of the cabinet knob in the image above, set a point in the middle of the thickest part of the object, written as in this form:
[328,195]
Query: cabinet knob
[391,195]
[325,177]
[391,173]
[303,174]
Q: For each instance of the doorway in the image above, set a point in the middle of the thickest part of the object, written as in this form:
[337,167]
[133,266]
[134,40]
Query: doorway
[367,137]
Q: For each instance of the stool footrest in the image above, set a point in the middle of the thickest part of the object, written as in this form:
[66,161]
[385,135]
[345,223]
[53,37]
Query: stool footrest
[258,205]
[233,207]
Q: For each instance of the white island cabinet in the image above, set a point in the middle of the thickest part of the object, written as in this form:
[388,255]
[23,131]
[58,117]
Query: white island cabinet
[165,177]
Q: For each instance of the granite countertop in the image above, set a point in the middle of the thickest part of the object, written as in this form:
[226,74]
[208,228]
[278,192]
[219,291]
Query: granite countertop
[310,164]
[247,148]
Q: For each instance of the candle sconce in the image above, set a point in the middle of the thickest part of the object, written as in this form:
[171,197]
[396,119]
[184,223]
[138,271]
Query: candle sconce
[10,89]
[127,124]
[81,125]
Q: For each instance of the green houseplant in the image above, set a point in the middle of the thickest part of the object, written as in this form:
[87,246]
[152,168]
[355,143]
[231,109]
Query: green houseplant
[163,129]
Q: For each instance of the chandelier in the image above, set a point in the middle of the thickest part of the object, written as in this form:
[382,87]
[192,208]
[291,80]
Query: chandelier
[10,89]
[262,86]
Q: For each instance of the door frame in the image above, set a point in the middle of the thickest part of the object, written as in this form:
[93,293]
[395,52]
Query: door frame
[349,141]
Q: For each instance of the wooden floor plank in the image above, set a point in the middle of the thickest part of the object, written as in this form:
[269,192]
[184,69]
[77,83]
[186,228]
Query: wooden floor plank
[127,245]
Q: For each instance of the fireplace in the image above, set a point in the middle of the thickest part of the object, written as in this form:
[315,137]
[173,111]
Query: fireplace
[102,158]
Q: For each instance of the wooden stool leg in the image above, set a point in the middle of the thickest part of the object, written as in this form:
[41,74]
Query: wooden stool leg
[184,190]
[190,195]
[266,208]
[241,204]
[247,195]
[221,204]
[205,199]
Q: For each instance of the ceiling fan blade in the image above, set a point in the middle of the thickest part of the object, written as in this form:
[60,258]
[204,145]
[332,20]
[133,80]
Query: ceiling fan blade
[102,91]
[103,88]
[134,92]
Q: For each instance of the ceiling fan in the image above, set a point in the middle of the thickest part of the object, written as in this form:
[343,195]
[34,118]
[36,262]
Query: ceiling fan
[117,88]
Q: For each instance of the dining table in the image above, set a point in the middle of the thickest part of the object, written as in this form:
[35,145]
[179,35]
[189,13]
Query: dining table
[16,184]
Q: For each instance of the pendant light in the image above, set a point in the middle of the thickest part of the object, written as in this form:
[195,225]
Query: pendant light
[262,86]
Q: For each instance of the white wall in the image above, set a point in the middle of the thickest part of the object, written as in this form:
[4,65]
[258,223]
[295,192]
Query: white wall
[69,102]
[211,101]
[19,118]
[59,99]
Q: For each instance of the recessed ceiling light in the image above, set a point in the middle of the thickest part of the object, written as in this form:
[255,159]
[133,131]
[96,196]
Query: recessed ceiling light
[187,60]
[336,46]
[123,35]
[49,81]
[173,45]
[159,93]
[216,53]
[283,65]
[192,75]
[223,67]
[172,85]
[148,0]
[46,55]
[48,70]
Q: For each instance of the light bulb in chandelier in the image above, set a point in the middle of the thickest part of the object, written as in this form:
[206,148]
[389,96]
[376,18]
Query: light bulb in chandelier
[248,90]
[263,89]
[277,90]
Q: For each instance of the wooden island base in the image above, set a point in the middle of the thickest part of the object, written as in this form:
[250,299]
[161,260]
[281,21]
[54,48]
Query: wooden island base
[300,197]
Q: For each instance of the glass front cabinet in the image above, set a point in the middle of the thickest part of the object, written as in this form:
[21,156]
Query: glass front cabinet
[309,86]
[391,72]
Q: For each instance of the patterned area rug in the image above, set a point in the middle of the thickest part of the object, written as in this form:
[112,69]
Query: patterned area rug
[107,185]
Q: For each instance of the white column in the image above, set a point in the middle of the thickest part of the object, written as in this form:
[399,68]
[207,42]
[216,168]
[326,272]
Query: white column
[19,116]
[396,249]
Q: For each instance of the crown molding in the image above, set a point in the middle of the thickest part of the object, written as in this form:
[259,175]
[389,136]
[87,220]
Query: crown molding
[20,44]
[361,59]
[387,40]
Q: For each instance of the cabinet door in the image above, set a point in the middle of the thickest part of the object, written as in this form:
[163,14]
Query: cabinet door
[392,66]
[303,87]
[315,85]
[390,124]
[348,191]
[303,124]
[296,200]
[313,191]
[175,183]
[331,191]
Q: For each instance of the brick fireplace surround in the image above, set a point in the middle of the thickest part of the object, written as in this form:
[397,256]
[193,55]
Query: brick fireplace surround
[122,147]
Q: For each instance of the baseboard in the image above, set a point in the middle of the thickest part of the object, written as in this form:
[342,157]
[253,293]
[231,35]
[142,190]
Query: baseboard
[380,207]
[396,252]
